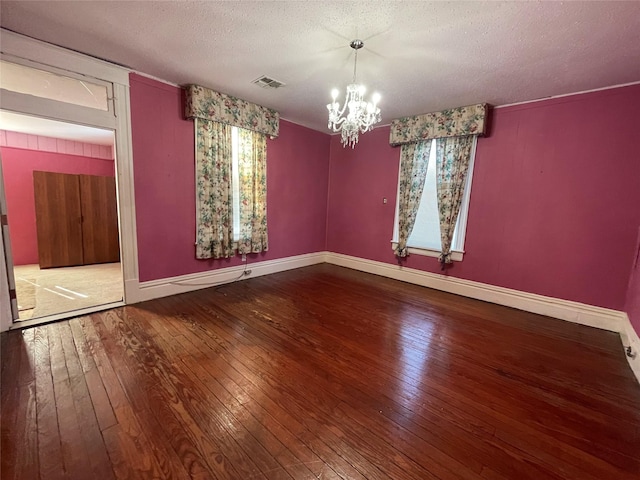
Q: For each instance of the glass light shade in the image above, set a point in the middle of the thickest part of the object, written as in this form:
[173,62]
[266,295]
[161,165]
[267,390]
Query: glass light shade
[361,115]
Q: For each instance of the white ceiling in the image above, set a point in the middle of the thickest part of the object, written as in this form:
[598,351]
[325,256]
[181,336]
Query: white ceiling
[16,122]
[421,56]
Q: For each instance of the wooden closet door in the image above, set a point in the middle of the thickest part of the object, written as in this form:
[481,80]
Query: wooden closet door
[100,243]
[58,219]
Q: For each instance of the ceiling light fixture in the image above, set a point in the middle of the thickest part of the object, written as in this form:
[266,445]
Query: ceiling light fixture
[361,116]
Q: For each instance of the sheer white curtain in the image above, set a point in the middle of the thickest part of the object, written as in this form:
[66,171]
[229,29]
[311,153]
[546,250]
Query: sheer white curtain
[414,161]
[252,192]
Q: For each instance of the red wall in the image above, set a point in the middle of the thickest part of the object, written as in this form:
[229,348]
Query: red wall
[163,152]
[18,166]
[554,202]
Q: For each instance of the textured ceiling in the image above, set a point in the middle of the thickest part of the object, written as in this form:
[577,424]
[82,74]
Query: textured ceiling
[420,56]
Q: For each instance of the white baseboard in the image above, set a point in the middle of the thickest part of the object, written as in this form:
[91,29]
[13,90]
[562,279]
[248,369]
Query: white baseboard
[142,291]
[604,318]
[630,339]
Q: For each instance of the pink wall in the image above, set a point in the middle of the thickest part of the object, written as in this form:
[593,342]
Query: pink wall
[18,166]
[554,203]
[550,204]
[163,152]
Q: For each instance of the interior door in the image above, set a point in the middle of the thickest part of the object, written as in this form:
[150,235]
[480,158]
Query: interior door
[58,219]
[100,243]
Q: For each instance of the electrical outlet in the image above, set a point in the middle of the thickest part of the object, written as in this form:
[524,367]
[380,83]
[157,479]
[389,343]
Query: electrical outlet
[244,257]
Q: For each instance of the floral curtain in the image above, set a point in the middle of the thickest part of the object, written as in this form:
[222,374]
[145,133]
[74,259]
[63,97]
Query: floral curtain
[452,163]
[208,104]
[414,161]
[454,122]
[214,192]
[252,162]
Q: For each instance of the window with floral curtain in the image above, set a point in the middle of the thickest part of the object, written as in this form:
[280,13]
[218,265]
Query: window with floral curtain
[452,133]
[231,172]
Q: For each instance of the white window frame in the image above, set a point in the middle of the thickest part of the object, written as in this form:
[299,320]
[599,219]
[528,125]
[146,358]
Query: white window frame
[457,247]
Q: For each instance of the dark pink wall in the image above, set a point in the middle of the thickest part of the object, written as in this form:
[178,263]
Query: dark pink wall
[18,166]
[359,223]
[554,203]
[163,158]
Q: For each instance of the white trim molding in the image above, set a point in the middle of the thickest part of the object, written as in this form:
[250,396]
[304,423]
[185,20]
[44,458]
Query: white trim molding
[143,291]
[598,317]
[22,46]
[456,255]
[631,340]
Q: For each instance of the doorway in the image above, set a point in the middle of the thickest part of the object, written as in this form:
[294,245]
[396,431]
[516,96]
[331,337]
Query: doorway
[45,81]
[60,189]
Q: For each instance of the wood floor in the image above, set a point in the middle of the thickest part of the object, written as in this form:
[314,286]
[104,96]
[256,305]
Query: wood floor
[321,372]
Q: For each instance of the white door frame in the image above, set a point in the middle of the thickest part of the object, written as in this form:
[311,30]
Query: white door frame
[8,301]
[18,48]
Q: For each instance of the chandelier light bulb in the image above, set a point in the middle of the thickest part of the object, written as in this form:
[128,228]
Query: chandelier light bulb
[360,115]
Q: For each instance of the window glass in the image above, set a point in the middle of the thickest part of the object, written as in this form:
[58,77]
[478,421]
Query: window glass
[31,81]
[426,231]
[235,182]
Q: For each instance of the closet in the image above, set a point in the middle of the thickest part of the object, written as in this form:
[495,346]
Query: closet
[76,219]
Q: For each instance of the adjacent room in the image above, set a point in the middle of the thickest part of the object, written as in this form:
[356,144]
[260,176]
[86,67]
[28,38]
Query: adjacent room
[65,254]
[304,240]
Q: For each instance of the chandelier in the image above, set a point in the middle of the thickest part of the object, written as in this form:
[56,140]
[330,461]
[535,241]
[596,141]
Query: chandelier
[361,115]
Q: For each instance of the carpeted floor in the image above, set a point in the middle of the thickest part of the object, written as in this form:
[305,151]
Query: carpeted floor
[55,290]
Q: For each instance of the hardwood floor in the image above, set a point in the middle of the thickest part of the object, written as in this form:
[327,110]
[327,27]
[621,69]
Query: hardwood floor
[321,372]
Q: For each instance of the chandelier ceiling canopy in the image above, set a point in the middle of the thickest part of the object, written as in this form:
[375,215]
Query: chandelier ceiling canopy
[360,115]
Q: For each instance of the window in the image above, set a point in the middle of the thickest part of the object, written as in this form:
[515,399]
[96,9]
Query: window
[425,236]
[231,190]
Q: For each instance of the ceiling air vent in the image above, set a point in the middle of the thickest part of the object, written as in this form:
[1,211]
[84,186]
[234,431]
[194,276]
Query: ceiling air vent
[268,82]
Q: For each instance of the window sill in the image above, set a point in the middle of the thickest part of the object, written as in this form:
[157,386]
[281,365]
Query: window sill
[456,256]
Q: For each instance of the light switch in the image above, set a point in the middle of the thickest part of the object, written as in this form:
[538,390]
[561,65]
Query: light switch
[384,200]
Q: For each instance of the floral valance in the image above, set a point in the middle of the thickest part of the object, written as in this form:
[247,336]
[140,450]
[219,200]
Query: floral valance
[219,107]
[455,122]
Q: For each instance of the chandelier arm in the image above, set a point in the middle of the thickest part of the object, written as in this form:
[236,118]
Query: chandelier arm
[369,120]
[336,126]
[344,107]
[361,115]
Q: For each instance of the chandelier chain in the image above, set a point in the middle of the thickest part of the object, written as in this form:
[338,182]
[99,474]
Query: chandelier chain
[355,65]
